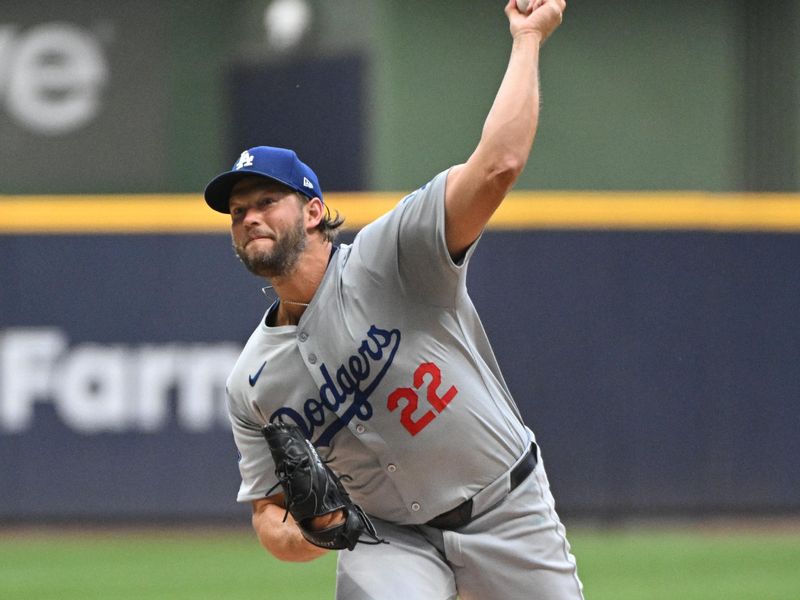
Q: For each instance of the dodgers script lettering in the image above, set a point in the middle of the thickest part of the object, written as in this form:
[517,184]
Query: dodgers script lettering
[347,387]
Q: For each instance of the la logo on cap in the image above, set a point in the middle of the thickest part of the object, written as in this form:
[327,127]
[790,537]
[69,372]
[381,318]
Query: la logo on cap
[245,160]
[307,183]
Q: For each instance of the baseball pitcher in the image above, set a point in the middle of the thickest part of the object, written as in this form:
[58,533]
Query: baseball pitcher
[367,406]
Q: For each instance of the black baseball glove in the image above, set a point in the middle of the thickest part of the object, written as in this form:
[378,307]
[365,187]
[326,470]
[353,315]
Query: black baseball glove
[312,489]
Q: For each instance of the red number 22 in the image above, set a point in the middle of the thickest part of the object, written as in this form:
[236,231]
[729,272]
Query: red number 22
[439,403]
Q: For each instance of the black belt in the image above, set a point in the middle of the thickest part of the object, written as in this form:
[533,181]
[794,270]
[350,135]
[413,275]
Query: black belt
[462,514]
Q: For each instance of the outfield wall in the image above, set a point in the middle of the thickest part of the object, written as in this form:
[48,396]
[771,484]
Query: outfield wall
[653,350]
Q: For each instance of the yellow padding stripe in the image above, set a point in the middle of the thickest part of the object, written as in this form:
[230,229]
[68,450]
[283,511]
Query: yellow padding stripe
[187,213]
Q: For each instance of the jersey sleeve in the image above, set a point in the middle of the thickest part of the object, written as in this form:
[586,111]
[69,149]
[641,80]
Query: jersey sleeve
[256,466]
[407,247]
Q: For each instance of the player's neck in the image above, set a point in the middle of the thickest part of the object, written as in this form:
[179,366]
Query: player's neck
[296,289]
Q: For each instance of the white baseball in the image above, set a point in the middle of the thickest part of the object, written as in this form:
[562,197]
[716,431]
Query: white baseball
[523,5]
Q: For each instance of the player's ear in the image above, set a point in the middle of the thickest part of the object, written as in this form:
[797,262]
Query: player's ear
[314,211]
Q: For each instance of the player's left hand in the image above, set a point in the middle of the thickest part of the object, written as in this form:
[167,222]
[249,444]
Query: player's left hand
[314,495]
[542,20]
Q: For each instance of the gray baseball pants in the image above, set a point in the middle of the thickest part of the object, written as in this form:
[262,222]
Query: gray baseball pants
[515,551]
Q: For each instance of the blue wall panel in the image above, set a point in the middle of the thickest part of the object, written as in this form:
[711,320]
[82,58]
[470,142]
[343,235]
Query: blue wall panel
[659,369]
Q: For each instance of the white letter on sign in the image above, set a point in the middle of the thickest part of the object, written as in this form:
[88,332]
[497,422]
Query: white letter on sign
[56,78]
[201,403]
[90,396]
[26,366]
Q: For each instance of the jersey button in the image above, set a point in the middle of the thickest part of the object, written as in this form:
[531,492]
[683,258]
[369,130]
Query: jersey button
[303,336]
[415,506]
[360,428]
[391,468]
[312,358]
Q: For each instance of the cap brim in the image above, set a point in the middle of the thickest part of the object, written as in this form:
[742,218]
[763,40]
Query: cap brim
[218,191]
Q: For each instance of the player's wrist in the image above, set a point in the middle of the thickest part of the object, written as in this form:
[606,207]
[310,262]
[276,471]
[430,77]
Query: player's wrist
[528,36]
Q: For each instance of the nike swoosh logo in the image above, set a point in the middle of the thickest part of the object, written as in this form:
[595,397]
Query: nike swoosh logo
[253,378]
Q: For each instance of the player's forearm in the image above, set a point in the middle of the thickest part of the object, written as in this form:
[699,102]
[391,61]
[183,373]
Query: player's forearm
[475,191]
[510,126]
[282,539]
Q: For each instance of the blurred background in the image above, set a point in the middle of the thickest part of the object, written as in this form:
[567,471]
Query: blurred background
[653,348]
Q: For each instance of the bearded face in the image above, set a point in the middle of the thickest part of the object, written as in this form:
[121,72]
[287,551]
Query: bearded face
[271,253]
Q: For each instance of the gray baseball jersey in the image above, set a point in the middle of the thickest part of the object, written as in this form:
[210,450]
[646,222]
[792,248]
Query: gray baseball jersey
[389,372]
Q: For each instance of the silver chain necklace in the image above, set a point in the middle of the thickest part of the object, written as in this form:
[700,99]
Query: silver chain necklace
[269,287]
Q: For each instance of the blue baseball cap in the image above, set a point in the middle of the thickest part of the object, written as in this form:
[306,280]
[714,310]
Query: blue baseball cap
[279,164]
